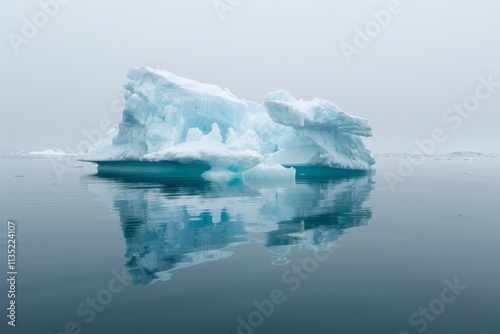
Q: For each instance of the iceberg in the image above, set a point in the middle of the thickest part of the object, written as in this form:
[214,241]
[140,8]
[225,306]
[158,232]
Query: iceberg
[183,123]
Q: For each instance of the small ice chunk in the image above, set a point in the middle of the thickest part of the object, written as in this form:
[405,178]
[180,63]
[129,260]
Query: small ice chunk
[269,171]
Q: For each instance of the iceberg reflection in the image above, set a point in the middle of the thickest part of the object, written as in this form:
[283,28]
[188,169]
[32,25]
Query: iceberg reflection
[169,226]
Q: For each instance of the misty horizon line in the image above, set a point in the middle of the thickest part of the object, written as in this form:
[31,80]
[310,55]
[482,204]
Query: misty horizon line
[373,152]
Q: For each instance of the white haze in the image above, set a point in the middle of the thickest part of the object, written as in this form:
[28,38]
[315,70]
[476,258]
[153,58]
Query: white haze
[68,77]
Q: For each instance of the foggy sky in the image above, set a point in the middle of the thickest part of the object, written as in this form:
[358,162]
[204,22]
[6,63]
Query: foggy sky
[69,76]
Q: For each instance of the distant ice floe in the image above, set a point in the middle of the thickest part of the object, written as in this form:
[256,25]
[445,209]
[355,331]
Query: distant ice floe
[47,153]
[466,154]
[459,155]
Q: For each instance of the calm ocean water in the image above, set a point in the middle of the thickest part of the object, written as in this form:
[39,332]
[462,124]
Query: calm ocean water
[340,254]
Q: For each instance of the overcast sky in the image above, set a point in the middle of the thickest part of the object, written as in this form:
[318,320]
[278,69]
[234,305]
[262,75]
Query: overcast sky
[66,77]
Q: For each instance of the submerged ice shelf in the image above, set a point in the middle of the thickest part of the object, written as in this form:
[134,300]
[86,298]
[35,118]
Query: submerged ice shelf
[200,128]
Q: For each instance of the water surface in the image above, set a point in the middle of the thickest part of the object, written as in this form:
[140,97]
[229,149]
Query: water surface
[339,254]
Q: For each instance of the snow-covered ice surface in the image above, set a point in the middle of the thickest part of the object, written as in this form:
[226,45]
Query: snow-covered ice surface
[170,118]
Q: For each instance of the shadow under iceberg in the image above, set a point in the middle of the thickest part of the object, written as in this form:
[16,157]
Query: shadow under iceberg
[172,224]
